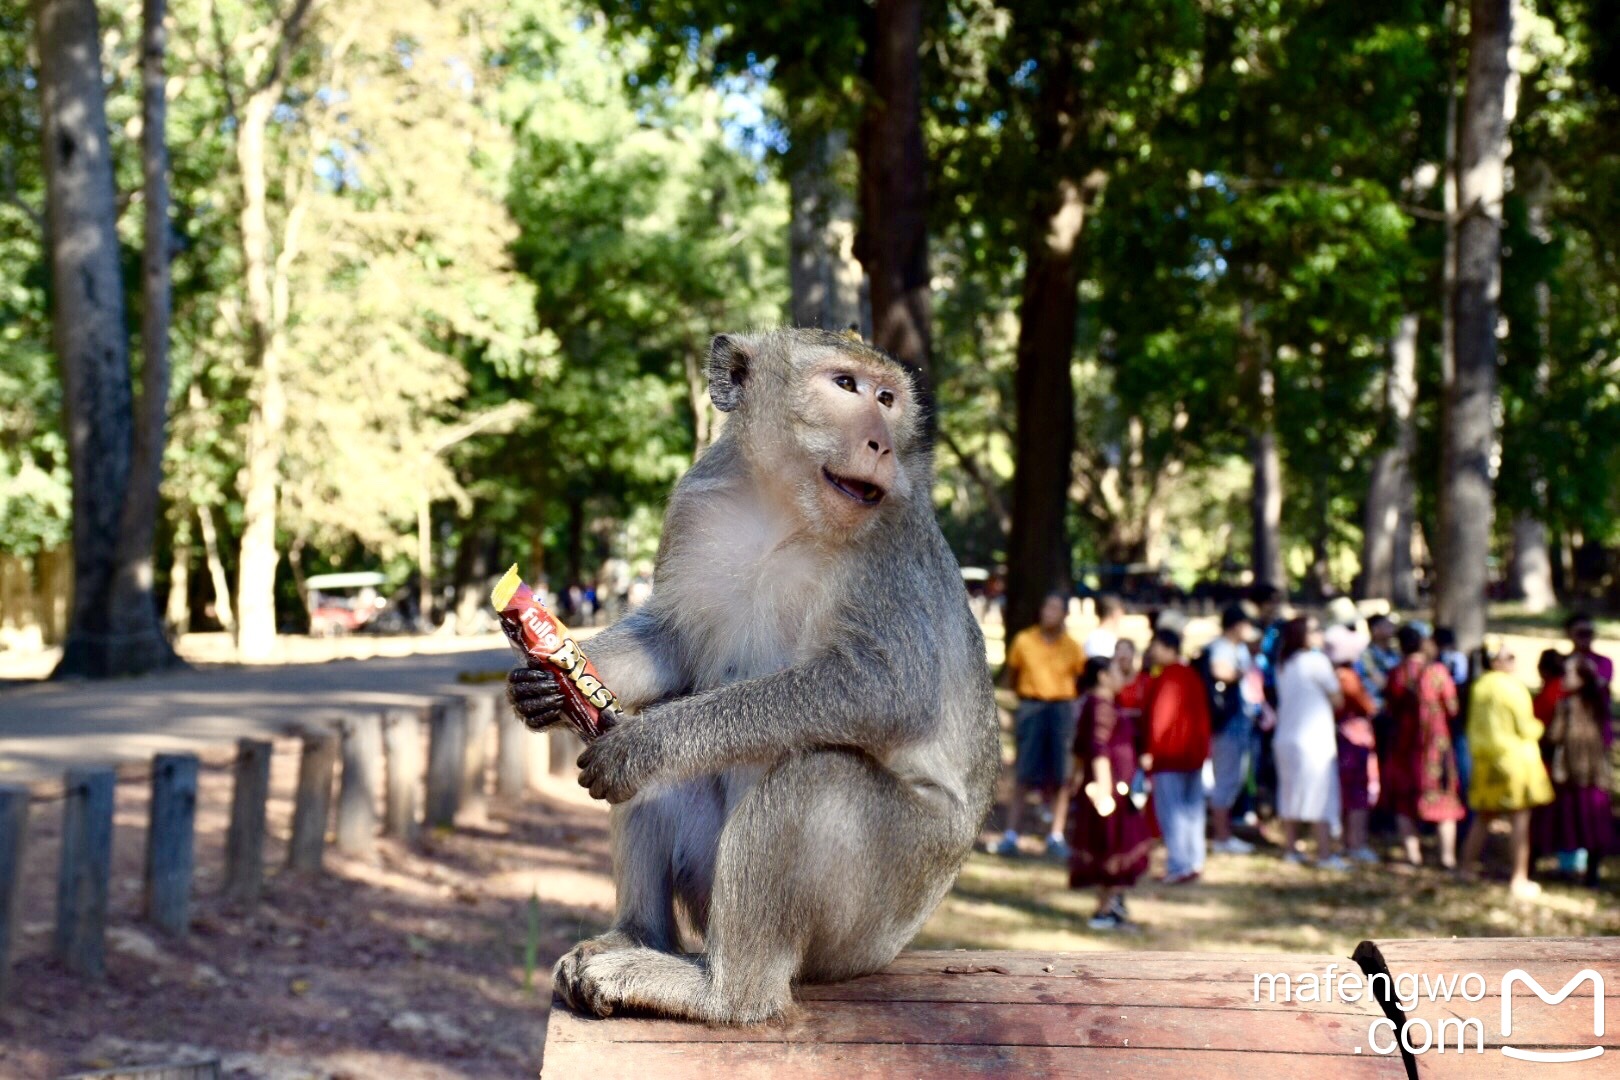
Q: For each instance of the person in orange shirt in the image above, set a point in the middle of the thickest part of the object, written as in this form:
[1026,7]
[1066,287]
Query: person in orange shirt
[1044,665]
[1177,710]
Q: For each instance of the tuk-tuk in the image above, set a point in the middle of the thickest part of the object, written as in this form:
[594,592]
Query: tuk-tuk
[341,604]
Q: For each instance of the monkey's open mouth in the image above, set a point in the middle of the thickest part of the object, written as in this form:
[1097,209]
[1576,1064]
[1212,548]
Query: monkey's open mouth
[867,494]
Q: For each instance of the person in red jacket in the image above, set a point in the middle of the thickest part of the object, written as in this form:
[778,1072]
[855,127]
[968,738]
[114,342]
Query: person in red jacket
[1177,710]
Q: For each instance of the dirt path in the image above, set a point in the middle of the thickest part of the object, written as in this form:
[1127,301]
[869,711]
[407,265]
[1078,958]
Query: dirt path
[410,966]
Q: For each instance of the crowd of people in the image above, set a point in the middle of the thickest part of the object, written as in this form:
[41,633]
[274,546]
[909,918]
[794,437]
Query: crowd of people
[1349,732]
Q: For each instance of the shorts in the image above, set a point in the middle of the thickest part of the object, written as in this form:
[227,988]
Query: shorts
[1045,734]
[1231,752]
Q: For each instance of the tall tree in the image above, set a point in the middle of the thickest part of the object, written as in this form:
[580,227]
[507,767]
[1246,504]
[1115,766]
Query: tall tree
[1038,551]
[826,277]
[1386,547]
[1466,494]
[115,450]
[893,239]
[263,267]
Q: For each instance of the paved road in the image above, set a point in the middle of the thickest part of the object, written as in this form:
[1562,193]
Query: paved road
[46,727]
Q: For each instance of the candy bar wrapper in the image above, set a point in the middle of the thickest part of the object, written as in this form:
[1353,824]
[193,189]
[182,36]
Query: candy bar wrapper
[540,638]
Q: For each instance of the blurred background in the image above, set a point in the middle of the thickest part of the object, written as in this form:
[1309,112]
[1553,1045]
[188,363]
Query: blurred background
[428,287]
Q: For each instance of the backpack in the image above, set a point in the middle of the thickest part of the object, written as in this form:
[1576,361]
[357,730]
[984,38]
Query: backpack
[1225,699]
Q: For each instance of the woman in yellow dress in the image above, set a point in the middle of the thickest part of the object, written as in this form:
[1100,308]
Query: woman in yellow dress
[1509,776]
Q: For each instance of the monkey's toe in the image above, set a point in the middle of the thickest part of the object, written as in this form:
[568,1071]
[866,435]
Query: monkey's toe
[599,983]
[565,979]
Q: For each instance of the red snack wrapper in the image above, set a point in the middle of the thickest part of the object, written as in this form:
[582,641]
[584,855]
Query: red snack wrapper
[546,643]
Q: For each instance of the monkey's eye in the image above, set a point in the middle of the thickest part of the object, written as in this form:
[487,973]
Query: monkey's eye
[845,382]
[886,398]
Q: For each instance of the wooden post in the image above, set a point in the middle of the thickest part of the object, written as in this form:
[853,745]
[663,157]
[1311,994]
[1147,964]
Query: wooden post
[361,736]
[447,736]
[479,711]
[566,747]
[312,804]
[81,884]
[511,753]
[13,833]
[244,843]
[169,842]
[402,731]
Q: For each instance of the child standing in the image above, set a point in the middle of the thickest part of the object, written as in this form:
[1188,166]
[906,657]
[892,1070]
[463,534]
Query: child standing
[1109,834]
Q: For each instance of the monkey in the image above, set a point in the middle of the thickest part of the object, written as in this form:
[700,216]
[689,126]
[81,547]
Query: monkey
[810,738]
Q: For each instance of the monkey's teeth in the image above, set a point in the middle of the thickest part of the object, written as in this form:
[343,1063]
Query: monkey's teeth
[867,494]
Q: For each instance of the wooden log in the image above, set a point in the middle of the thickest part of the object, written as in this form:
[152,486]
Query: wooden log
[478,710]
[402,735]
[540,758]
[511,753]
[566,746]
[170,843]
[81,883]
[13,834]
[244,843]
[447,739]
[361,736]
[312,803]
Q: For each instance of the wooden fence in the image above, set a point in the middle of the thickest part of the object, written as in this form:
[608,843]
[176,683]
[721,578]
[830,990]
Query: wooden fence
[374,757]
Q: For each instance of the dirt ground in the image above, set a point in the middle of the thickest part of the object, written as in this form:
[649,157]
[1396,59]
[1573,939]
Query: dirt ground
[409,966]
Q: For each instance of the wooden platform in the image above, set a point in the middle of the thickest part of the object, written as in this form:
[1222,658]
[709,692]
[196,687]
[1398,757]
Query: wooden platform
[988,1014]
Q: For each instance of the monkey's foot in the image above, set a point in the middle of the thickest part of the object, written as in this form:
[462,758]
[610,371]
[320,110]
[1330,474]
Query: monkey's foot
[565,977]
[668,984]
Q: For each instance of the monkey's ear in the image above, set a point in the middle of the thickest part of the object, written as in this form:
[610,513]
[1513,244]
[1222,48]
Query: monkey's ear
[729,361]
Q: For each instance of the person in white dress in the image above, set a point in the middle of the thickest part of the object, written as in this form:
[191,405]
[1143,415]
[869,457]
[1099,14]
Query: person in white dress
[1306,742]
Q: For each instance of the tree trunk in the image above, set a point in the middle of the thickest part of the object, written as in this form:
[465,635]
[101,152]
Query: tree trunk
[139,522]
[893,240]
[705,418]
[265,278]
[216,570]
[1532,565]
[1448,280]
[1465,487]
[1265,501]
[1531,575]
[1386,552]
[261,469]
[474,564]
[424,563]
[1266,508]
[178,609]
[115,627]
[826,278]
[1038,549]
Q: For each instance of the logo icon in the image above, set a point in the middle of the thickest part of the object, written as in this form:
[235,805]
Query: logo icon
[1519,975]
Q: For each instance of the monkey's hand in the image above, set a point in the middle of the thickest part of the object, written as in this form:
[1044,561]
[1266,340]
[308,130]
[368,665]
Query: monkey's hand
[535,698]
[622,761]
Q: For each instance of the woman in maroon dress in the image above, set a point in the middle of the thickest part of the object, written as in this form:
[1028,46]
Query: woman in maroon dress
[1420,775]
[1109,834]
[1580,817]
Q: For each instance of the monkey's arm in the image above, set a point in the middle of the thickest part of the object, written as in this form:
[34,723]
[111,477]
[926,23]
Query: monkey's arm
[635,657]
[856,694]
[638,658]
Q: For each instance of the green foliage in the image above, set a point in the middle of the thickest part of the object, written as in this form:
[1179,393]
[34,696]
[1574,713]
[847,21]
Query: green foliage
[505,233]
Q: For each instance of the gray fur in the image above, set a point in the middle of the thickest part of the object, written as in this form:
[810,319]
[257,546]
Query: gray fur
[812,741]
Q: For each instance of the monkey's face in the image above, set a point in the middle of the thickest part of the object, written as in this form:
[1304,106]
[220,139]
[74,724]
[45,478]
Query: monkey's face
[853,423]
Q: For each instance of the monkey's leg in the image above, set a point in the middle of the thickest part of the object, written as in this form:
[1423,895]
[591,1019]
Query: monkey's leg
[657,840]
[826,864]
